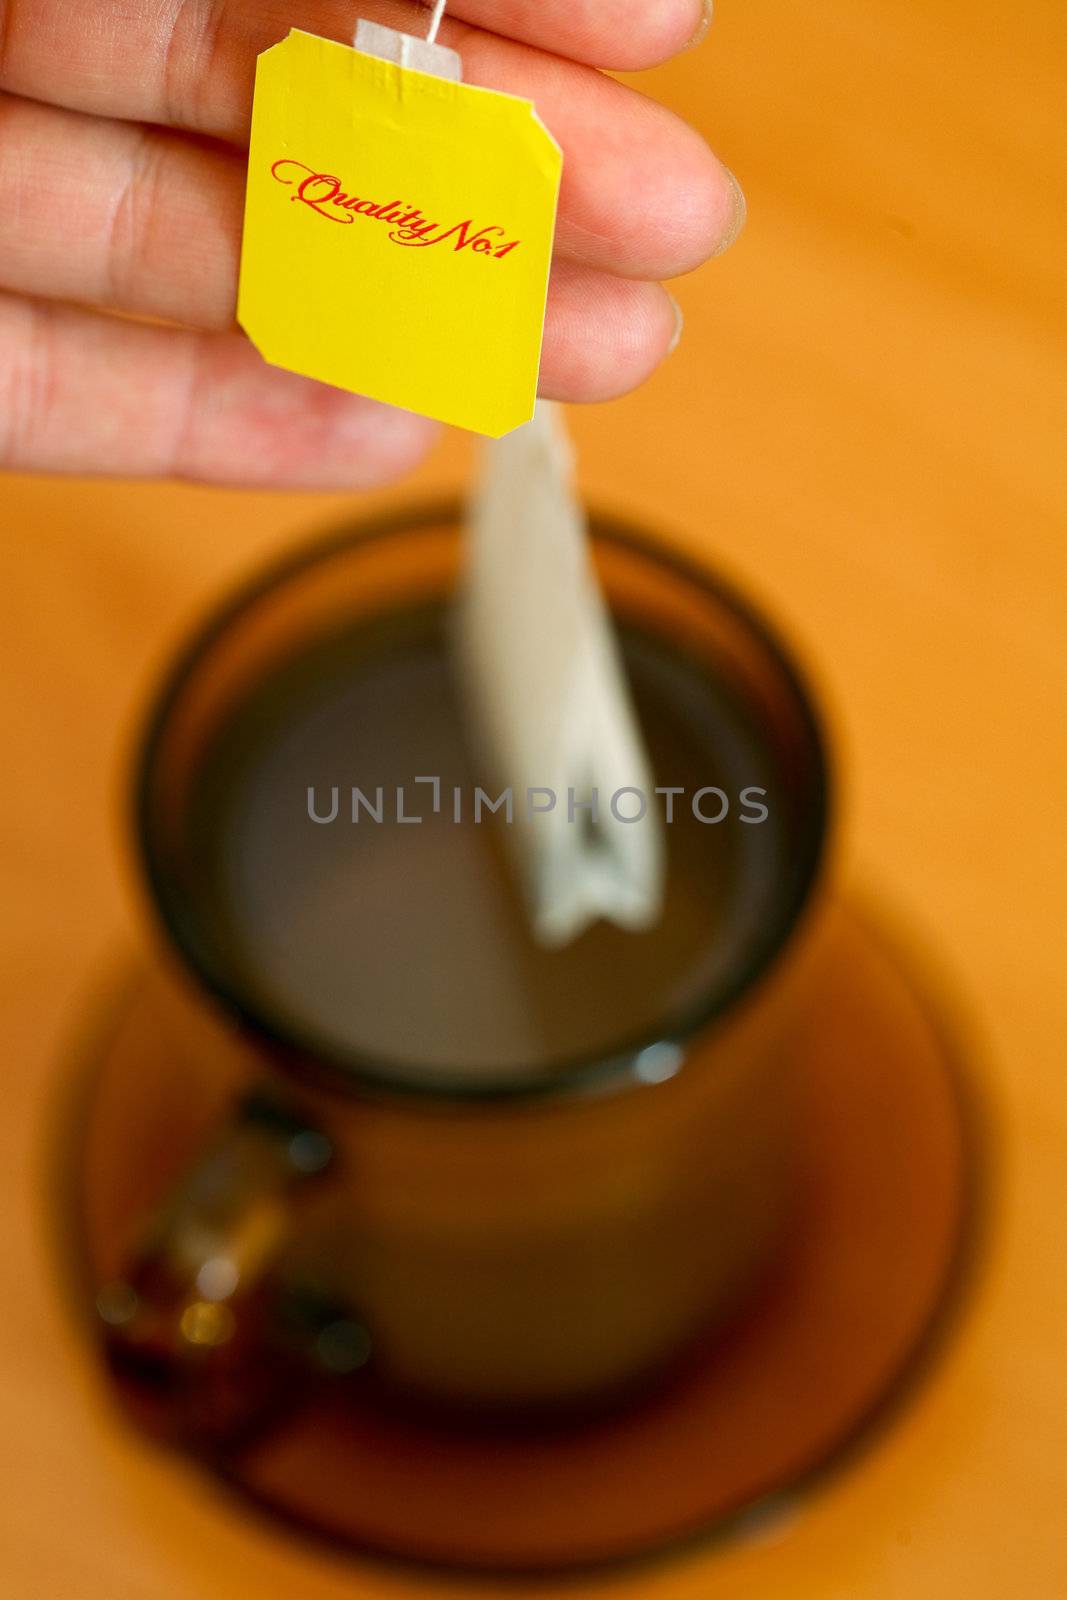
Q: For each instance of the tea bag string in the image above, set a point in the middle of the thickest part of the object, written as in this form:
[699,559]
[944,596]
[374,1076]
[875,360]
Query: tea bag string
[435,21]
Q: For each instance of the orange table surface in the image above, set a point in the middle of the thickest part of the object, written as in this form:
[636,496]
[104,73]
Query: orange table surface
[865,425]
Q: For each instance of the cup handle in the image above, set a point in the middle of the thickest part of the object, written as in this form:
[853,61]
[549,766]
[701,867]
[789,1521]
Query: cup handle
[205,1338]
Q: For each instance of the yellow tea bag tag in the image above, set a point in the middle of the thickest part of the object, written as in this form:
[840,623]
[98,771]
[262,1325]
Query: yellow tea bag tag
[398,232]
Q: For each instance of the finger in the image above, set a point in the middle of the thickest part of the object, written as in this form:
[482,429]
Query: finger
[158,219]
[89,394]
[155,218]
[642,194]
[622,35]
[604,336]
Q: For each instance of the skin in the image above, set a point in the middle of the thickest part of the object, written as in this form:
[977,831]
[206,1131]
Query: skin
[123,136]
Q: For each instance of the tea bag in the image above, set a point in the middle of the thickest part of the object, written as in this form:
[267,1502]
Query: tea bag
[550,708]
[549,698]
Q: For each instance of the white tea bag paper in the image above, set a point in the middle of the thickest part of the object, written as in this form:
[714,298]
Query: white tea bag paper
[404,50]
[550,702]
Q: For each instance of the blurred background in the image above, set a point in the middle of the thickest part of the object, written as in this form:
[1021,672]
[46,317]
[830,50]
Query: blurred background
[864,425]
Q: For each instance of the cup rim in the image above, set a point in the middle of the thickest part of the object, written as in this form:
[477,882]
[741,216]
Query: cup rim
[352,1072]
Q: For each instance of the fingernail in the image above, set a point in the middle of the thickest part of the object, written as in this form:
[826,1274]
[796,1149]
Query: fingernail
[740,214]
[707,10]
[679,324]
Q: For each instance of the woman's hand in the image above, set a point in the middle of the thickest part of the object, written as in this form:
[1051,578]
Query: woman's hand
[123,128]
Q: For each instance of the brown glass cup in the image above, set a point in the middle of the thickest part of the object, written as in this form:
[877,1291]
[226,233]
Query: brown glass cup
[526,1245]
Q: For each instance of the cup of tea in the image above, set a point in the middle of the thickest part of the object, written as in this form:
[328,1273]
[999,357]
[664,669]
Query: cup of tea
[465,1171]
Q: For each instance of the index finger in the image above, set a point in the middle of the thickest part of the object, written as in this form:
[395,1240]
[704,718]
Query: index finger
[621,35]
[128,58]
